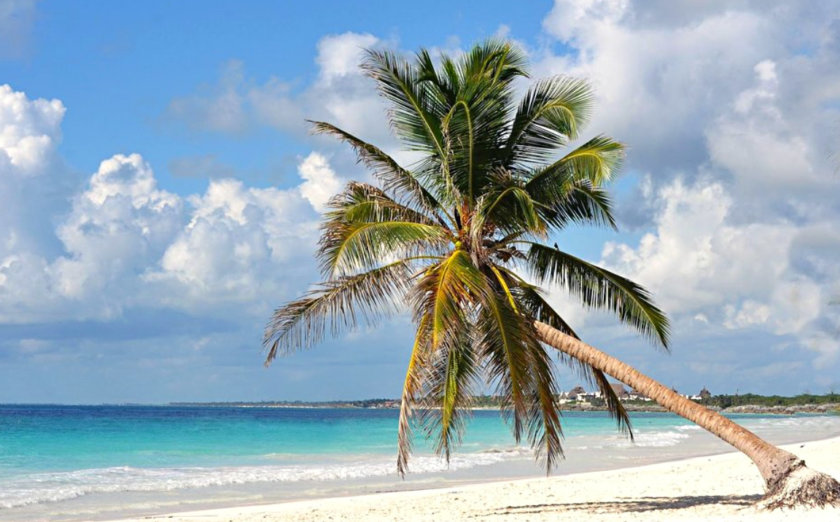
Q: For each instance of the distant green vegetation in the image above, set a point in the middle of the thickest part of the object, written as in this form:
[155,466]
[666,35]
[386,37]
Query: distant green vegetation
[495,401]
[751,399]
[486,401]
[366,403]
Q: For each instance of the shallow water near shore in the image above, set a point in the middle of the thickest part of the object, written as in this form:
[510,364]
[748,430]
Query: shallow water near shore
[95,462]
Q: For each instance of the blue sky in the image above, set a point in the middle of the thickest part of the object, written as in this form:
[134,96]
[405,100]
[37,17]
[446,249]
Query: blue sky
[130,60]
[159,192]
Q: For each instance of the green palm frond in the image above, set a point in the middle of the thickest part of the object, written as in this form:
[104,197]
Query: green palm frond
[537,307]
[495,60]
[395,178]
[587,204]
[545,432]
[569,190]
[449,387]
[445,292]
[477,122]
[582,204]
[513,209]
[444,297]
[413,384]
[503,336]
[600,288]
[597,161]
[336,305]
[459,136]
[521,369]
[364,203]
[349,247]
[414,115]
[442,84]
[552,112]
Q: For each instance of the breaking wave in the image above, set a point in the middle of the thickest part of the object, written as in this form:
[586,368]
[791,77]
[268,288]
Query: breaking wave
[57,486]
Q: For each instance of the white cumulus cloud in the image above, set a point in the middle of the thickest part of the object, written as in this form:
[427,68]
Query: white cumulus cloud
[340,94]
[729,111]
[320,181]
[700,265]
[125,243]
[29,131]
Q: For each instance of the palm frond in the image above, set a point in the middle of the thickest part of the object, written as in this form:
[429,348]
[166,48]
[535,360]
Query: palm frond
[349,247]
[395,178]
[336,305]
[513,209]
[597,160]
[501,341]
[614,406]
[551,113]
[545,431]
[413,115]
[600,288]
[477,95]
[444,85]
[445,291]
[537,307]
[582,204]
[364,203]
[493,59]
[464,138]
[444,297]
[448,391]
[521,369]
[414,378]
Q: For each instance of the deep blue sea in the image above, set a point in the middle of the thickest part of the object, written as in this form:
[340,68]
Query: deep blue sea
[95,461]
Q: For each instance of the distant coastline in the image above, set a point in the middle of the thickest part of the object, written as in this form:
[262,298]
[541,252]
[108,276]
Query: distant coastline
[748,403]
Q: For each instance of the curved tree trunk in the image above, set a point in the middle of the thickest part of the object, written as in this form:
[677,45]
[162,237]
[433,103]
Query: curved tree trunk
[788,481]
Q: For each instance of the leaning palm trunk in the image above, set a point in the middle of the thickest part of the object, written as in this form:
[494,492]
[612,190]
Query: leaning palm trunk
[787,480]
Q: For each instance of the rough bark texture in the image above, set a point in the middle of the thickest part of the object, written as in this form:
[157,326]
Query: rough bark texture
[786,478]
[802,487]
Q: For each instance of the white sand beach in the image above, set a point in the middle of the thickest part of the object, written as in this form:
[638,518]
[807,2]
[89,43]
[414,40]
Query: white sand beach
[721,487]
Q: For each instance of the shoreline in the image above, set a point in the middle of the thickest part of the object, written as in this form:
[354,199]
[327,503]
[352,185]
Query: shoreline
[722,485]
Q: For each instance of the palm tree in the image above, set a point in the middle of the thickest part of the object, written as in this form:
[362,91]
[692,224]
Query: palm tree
[449,237]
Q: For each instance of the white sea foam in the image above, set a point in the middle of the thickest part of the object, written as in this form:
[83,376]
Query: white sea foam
[650,439]
[689,427]
[796,422]
[642,439]
[57,486]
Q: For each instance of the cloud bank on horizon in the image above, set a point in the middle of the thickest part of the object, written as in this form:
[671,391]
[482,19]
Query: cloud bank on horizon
[731,115]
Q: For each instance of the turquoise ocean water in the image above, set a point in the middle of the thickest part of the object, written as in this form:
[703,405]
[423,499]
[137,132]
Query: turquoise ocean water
[79,462]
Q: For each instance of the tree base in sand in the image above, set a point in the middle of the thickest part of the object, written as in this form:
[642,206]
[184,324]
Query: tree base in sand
[803,487]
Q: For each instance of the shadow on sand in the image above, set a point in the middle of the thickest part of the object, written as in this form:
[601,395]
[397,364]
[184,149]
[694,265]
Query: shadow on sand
[636,505]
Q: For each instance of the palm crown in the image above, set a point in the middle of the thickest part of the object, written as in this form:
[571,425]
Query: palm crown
[449,235]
